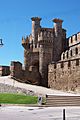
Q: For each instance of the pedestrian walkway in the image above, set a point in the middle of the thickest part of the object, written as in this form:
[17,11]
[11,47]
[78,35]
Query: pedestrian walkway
[41,113]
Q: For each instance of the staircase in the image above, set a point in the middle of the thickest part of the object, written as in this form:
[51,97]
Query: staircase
[59,101]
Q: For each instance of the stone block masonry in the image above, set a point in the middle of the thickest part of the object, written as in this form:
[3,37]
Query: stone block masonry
[31,76]
[43,46]
[65,75]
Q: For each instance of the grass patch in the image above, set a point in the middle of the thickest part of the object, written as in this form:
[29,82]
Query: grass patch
[7,98]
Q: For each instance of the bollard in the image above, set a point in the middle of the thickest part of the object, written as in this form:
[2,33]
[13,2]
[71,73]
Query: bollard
[40,100]
[63,114]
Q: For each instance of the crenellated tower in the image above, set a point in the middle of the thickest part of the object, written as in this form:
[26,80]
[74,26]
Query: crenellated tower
[50,58]
[43,46]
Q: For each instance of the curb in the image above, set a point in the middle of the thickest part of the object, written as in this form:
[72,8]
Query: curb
[23,105]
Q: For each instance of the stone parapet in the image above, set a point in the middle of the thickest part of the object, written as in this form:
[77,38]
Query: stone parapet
[74,39]
[72,52]
[45,36]
[25,42]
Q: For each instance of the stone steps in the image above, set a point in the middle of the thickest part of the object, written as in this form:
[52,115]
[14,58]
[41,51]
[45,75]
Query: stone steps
[56,101]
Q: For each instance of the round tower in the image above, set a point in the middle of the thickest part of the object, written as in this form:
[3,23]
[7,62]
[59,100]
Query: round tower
[35,27]
[26,45]
[58,40]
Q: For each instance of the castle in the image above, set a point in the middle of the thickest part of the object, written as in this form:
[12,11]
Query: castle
[50,58]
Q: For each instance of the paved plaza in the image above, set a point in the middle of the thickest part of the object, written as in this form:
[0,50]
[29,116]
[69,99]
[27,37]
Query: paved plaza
[38,113]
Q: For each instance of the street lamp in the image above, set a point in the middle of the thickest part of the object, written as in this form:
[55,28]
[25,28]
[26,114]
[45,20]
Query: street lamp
[1,43]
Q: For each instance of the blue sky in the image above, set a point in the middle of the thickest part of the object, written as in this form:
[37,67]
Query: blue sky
[15,22]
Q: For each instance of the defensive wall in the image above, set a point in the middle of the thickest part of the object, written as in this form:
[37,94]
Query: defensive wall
[73,49]
[74,39]
[17,72]
[65,75]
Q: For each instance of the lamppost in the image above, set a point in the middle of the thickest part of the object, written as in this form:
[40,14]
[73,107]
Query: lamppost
[1,43]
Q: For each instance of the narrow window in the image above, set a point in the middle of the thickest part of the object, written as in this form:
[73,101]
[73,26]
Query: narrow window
[71,53]
[54,66]
[76,37]
[76,50]
[63,56]
[71,40]
[67,54]
[69,64]
[77,62]
[62,65]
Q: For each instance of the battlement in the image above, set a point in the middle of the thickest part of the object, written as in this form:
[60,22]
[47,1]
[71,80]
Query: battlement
[25,41]
[64,65]
[45,35]
[74,39]
[73,52]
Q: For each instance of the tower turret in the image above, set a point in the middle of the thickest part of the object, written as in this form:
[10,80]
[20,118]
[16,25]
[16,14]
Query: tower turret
[35,27]
[57,26]
[25,42]
[26,45]
[58,41]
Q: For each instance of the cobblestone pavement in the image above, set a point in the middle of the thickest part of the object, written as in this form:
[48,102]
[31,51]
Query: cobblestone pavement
[38,113]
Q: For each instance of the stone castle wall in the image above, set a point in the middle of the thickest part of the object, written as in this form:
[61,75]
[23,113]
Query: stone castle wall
[65,75]
[16,69]
[30,58]
[74,39]
[73,50]
[31,76]
[50,59]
